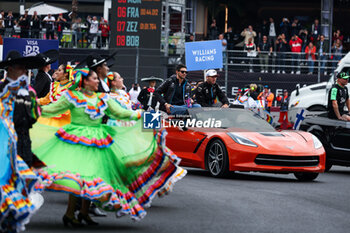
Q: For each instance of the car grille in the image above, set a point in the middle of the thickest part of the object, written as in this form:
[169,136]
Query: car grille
[287,161]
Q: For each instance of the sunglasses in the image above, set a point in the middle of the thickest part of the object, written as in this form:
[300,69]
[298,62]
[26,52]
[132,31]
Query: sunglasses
[183,72]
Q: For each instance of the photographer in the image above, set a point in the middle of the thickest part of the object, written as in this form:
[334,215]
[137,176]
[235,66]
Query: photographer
[35,25]
[213,31]
[296,26]
[93,31]
[304,36]
[24,23]
[9,24]
[285,28]
[60,22]
[282,47]
[248,33]
[295,47]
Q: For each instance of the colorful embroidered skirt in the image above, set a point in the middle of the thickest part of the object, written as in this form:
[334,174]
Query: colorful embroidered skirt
[61,120]
[119,168]
[16,183]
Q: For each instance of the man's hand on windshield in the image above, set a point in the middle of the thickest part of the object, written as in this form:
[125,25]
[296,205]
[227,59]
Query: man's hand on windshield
[167,106]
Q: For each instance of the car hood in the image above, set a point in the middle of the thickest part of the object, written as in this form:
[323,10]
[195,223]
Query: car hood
[284,142]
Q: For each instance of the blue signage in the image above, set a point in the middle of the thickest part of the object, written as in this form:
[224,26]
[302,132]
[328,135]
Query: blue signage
[151,120]
[203,55]
[29,47]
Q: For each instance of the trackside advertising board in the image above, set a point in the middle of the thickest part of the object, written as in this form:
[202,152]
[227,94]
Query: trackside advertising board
[29,47]
[203,55]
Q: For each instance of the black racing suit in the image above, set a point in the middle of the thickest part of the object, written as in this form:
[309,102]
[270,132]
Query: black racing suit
[206,95]
[341,95]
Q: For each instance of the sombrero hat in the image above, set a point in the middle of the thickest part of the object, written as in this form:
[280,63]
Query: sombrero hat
[50,56]
[15,58]
[95,59]
[152,78]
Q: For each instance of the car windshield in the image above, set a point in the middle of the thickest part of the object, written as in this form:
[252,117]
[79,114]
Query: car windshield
[236,118]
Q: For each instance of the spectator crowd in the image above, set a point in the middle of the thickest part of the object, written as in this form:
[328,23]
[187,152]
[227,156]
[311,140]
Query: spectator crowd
[91,32]
[275,44]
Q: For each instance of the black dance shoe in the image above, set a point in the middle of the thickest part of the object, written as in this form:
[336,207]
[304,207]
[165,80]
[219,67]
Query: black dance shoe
[67,221]
[96,211]
[86,219]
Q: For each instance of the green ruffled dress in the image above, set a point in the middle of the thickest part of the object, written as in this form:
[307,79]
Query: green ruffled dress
[120,169]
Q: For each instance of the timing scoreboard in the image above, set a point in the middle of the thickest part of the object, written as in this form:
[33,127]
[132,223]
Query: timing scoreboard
[136,23]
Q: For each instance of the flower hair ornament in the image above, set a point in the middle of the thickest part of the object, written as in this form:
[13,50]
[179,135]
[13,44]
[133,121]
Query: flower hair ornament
[78,78]
[71,72]
[110,77]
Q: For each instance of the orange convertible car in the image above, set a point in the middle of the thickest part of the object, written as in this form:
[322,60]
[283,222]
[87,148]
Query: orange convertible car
[243,141]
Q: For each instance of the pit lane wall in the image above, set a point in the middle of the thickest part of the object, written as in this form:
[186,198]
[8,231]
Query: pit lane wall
[276,82]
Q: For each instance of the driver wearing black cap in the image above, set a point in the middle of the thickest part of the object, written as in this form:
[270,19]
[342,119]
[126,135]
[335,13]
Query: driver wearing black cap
[208,92]
[337,98]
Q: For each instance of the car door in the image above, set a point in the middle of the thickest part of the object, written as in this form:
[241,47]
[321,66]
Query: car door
[184,141]
[339,141]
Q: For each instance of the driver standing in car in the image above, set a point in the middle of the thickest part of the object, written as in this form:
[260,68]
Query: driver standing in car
[337,98]
[208,92]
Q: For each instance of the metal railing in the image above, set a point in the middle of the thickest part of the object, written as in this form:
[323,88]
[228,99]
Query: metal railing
[281,62]
[69,38]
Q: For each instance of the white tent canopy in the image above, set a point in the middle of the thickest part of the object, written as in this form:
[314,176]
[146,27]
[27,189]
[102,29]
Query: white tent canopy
[45,9]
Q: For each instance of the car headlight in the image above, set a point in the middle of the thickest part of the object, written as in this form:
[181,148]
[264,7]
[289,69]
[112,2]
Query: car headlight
[317,142]
[241,140]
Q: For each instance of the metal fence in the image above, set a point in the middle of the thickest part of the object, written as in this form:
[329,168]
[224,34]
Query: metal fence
[281,62]
[68,38]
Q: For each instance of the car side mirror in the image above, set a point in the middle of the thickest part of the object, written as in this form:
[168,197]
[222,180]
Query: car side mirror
[297,89]
[184,128]
[335,76]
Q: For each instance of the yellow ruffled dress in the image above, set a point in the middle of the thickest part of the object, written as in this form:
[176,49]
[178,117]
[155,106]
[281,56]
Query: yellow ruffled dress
[56,90]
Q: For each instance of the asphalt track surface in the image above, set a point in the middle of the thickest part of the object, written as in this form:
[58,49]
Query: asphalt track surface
[243,202]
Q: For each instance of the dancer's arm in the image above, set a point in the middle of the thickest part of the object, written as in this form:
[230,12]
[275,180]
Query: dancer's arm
[54,109]
[45,100]
[117,112]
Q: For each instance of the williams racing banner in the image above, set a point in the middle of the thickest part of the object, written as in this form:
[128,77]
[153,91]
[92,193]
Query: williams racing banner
[29,47]
[203,55]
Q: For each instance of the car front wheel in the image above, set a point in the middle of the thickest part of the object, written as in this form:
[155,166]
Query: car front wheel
[306,176]
[217,159]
